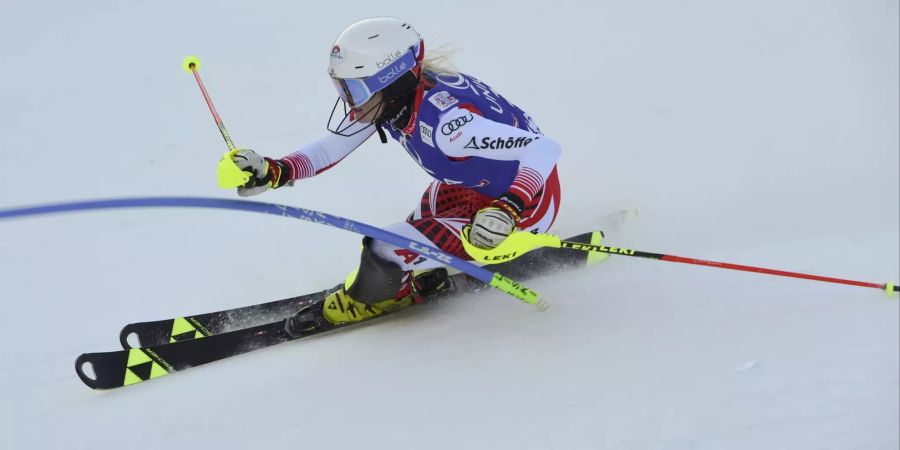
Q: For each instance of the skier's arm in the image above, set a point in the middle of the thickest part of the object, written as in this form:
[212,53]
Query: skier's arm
[323,153]
[475,136]
[310,160]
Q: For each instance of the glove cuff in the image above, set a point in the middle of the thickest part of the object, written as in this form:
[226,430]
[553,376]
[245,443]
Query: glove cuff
[279,173]
[512,204]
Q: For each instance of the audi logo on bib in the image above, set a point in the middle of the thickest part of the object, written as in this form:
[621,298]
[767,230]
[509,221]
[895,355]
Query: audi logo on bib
[455,124]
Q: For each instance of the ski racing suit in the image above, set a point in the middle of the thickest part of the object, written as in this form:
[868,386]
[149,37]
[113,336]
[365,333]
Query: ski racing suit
[476,145]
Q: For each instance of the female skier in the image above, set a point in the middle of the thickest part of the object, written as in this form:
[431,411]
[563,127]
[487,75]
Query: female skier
[493,169]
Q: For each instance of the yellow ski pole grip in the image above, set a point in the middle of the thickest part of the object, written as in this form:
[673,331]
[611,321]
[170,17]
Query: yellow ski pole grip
[229,175]
[514,246]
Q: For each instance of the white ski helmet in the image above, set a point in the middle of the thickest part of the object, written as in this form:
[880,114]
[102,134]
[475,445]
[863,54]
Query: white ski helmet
[371,54]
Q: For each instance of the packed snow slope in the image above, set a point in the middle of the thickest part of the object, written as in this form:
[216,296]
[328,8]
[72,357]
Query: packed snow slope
[761,133]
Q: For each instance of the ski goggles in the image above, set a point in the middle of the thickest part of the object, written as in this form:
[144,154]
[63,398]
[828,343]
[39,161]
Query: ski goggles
[356,91]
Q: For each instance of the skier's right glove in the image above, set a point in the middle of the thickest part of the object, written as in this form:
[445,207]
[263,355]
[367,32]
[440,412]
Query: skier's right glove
[492,225]
[266,172]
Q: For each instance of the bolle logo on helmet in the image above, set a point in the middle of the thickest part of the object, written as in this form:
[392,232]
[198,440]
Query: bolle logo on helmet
[336,56]
[392,73]
[455,124]
[390,58]
[499,143]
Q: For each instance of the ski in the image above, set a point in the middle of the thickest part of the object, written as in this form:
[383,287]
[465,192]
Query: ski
[176,344]
[108,370]
[178,329]
[197,326]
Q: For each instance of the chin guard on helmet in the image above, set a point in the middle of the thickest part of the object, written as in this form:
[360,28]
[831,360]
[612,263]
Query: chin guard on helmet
[349,124]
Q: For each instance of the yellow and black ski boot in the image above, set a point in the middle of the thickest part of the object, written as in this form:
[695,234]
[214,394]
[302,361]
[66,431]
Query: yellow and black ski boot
[340,307]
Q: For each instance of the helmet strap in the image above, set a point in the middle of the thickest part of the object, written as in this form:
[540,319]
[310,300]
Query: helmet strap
[381,134]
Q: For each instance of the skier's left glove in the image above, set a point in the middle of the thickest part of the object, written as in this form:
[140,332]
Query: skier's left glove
[493,224]
[267,172]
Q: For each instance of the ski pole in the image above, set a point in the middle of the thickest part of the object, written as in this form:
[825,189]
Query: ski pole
[192,65]
[520,243]
[228,173]
[888,287]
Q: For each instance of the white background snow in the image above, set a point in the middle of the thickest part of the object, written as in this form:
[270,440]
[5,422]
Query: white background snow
[762,133]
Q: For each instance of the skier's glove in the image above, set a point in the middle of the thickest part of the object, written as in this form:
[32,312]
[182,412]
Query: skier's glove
[492,225]
[267,172]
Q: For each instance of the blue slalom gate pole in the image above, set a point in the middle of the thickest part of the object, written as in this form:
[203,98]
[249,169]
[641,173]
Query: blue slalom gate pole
[492,279]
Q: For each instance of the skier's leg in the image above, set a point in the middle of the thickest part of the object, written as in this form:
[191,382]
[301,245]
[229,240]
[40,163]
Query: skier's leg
[386,279]
[387,276]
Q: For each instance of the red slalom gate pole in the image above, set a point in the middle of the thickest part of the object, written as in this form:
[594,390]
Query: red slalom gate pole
[889,287]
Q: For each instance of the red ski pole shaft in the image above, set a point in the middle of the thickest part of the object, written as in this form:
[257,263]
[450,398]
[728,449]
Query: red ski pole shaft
[888,287]
[192,65]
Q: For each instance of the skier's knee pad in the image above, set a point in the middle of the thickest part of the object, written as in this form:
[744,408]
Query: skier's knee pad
[377,279]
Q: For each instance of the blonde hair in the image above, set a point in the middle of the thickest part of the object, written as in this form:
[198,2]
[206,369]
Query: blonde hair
[438,60]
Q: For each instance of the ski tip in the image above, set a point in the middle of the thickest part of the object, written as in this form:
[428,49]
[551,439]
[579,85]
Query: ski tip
[127,330]
[618,219]
[542,305]
[85,371]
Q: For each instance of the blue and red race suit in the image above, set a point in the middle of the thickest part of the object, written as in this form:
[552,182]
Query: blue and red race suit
[476,145]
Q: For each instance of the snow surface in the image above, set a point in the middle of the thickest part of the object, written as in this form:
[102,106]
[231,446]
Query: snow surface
[761,133]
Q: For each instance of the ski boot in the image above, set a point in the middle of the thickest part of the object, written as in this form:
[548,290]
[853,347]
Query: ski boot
[336,309]
[432,283]
[342,306]
[378,286]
